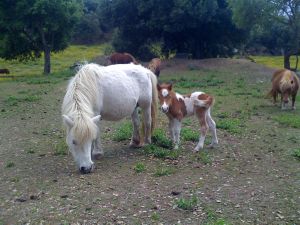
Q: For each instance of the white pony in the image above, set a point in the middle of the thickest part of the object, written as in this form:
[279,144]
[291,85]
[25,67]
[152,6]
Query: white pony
[110,93]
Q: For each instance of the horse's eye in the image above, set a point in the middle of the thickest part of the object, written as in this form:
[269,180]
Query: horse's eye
[74,142]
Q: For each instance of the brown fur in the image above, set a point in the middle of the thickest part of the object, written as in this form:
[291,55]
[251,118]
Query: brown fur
[4,71]
[176,109]
[122,58]
[155,66]
[285,83]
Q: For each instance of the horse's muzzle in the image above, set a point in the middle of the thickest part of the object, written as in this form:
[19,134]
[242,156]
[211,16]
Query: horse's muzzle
[165,109]
[85,170]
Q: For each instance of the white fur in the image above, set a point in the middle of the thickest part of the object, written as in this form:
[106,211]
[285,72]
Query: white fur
[112,92]
[179,96]
[175,124]
[164,92]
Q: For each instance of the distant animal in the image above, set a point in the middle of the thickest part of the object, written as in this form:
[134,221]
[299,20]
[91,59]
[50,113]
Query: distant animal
[111,93]
[177,107]
[155,66]
[285,83]
[4,71]
[122,58]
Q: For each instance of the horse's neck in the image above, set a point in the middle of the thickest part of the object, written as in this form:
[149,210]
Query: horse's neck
[178,108]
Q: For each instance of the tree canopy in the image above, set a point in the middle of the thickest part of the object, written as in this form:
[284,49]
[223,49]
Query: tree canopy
[203,28]
[30,27]
[274,24]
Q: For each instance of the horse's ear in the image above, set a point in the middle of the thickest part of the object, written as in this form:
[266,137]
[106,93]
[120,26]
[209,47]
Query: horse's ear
[68,121]
[170,86]
[96,119]
[158,87]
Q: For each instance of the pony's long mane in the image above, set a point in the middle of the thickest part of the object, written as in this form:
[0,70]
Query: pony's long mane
[79,102]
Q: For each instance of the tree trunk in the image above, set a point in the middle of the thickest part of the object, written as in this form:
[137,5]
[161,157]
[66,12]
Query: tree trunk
[47,63]
[287,64]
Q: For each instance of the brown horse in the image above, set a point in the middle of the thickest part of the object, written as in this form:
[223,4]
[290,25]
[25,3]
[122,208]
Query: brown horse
[122,58]
[286,83]
[4,71]
[155,66]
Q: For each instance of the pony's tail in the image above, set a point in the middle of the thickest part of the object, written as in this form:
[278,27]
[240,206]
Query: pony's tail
[154,103]
[204,103]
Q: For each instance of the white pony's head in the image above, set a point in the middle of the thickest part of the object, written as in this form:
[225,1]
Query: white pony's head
[81,132]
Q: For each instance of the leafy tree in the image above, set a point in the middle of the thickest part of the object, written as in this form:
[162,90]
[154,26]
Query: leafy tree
[201,27]
[275,24]
[90,29]
[31,27]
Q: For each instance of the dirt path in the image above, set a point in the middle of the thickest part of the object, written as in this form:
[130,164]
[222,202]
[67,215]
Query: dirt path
[251,178]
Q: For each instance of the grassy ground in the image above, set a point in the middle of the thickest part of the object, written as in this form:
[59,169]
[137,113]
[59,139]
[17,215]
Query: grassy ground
[59,61]
[252,177]
[273,61]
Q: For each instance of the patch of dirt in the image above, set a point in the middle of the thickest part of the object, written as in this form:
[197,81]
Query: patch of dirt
[251,179]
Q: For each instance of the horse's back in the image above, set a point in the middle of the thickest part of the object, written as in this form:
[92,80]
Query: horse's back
[123,87]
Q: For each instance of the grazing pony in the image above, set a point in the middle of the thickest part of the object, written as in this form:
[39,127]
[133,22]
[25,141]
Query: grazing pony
[4,71]
[122,58]
[286,83]
[177,106]
[155,65]
[112,93]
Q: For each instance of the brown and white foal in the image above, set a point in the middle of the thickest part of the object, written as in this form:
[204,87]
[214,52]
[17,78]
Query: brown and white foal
[177,106]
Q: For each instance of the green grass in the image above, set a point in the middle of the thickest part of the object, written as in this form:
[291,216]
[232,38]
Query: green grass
[160,152]
[59,61]
[60,148]
[288,119]
[204,157]
[10,165]
[187,204]
[14,100]
[188,134]
[155,216]
[232,125]
[273,61]
[160,139]
[213,219]
[123,132]
[296,153]
[139,167]
[163,171]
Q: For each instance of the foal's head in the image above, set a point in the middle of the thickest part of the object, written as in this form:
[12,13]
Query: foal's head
[165,95]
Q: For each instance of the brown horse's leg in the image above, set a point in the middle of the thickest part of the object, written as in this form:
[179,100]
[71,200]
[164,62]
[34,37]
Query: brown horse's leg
[293,101]
[274,93]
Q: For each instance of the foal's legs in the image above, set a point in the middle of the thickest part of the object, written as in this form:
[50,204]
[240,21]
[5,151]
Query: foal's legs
[212,127]
[135,139]
[171,130]
[175,127]
[201,115]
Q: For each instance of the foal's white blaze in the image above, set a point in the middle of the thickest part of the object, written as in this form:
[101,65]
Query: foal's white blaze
[164,92]
[165,107]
